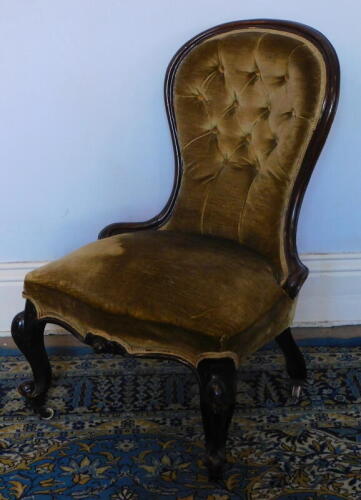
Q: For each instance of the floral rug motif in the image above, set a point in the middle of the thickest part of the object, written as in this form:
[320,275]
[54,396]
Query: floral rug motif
[130,429]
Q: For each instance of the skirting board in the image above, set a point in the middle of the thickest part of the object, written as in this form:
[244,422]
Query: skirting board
[331,295]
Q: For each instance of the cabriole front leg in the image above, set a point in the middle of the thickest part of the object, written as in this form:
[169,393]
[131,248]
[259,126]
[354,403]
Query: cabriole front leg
[217,381]
[28,334]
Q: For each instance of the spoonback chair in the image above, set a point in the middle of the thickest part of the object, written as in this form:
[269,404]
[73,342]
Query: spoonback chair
[216,274]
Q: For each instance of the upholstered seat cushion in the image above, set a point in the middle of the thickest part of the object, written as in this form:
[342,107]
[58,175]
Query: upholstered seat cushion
[163,291]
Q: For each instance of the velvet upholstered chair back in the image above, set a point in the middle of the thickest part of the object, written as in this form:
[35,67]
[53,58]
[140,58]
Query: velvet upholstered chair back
[250,104]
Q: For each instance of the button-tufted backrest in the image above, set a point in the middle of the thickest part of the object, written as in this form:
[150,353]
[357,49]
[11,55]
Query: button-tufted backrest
[246,103]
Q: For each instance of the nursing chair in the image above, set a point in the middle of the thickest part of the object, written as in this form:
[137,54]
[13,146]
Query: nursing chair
[215,276]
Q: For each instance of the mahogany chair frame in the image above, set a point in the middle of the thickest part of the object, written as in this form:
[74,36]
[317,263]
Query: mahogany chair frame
[216,377]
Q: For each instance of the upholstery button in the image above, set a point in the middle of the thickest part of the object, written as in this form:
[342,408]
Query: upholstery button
[244,140]
[272,144]
[289,114]
[198,95]
[254,75]
[255,164]
[265,111]
[221,68]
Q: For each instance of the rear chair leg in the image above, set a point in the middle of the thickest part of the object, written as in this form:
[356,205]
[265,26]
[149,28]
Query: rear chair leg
[295,362]
[217,382]
[28,334]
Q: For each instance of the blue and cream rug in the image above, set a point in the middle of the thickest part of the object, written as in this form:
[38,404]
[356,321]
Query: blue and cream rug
[127,429]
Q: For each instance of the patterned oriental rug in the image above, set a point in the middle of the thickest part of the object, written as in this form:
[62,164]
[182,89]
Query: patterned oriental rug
[127,429]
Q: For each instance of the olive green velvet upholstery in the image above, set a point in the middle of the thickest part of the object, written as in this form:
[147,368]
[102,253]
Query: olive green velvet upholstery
[209,282]
[246,105]
[163,291]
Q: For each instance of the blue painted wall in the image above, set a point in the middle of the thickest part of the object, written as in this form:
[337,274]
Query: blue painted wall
[83,134]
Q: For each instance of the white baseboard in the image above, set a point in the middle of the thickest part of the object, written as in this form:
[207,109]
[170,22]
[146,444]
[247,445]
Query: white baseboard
[331,295]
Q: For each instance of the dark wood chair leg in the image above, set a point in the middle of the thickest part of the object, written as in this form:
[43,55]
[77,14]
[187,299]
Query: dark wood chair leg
[217,382]
[295,362]
[28,334]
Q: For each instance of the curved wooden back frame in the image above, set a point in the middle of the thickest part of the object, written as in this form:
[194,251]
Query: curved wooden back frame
[298,271]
